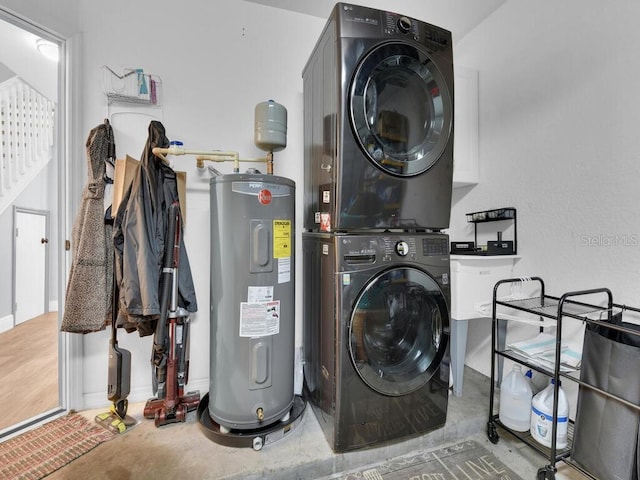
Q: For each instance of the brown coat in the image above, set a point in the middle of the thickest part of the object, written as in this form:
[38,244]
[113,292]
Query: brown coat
[90,285]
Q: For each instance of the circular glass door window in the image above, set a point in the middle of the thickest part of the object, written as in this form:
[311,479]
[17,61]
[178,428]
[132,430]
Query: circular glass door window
[401,109]
[396,331]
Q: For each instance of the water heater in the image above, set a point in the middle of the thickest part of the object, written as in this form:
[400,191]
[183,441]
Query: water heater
[252,300]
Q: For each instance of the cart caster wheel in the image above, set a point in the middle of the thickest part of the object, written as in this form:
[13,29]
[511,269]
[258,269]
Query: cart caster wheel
[546,473]
[492,433]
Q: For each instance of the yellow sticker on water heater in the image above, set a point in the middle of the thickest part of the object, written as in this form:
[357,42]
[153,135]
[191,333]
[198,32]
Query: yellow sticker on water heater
[281,238]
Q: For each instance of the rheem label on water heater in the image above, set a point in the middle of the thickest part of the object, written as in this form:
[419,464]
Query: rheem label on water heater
[259,319]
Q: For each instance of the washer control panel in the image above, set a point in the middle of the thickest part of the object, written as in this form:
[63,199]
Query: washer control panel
[394,247]
[432,247]
[360,250]
[402,248]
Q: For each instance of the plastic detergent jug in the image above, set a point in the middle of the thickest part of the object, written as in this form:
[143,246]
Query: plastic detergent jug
[539,381]
[542,417]
[515,400]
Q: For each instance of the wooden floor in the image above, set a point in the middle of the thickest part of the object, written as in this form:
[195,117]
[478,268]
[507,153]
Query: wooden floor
[29,369]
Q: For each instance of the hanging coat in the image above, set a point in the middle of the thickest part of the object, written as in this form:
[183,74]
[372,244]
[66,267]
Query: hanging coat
[89,288]
[139,239]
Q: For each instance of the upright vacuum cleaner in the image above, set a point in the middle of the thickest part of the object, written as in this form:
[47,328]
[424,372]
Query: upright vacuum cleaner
[118,379]
[170,358]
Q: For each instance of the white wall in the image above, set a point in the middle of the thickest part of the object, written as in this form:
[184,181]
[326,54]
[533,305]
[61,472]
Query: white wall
[216,60]
[559,121]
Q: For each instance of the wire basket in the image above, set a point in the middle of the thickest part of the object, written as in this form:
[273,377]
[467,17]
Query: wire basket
[131,85]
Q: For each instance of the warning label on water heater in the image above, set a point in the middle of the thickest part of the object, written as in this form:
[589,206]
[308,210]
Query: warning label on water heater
[281,238]
[284,270]
[259,319]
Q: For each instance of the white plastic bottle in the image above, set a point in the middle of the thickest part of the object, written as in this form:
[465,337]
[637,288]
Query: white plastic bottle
[515,400]
[542,417]
[539,381]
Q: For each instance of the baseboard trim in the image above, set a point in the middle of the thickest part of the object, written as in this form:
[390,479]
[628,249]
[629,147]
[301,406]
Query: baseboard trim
[6,323]
[99,399]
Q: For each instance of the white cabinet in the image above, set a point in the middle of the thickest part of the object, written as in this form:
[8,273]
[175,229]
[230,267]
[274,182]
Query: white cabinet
[465,133]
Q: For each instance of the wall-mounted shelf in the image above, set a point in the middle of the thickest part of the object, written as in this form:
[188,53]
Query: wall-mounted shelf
[131,85]
[499,246]
[507,213]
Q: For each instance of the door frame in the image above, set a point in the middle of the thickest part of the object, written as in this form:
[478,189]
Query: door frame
[47,232]
[67,147]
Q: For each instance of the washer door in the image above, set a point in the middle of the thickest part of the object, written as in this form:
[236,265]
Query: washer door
[401,109]
[396,331]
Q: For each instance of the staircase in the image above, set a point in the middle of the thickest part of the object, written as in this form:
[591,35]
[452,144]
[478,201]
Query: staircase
[26,137]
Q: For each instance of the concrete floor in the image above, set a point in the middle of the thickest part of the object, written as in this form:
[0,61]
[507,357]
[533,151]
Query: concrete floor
[180,451]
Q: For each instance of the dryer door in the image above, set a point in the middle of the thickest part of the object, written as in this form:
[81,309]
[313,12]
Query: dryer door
[401,109]
[397,333]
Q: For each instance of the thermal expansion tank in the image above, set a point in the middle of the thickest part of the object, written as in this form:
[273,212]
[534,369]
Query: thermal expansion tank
[252,300]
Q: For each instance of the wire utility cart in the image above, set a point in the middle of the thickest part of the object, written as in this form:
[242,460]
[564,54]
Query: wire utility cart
[553,312]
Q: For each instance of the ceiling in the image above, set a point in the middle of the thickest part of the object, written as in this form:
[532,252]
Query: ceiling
[24,60]
[458,16]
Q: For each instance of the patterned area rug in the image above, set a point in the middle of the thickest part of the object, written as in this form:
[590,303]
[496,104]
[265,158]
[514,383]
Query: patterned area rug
[464,461]
[39,452]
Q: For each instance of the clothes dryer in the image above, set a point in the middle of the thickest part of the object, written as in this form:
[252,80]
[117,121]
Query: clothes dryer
[376,335]
[378,114]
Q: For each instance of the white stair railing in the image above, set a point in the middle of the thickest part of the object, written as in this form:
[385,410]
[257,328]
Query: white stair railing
[26,137]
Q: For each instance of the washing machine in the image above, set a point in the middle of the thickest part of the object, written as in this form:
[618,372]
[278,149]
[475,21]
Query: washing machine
[378,123]
[376,335]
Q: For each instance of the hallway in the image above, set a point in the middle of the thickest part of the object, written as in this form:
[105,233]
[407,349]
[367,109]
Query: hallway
[29,369]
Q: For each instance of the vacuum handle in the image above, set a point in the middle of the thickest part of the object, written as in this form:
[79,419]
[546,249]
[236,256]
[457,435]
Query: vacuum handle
[169,269]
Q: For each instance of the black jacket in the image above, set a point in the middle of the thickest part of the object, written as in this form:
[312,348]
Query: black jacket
[140,228]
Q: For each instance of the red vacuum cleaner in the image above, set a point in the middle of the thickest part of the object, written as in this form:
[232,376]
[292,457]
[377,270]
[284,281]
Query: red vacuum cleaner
[170,359]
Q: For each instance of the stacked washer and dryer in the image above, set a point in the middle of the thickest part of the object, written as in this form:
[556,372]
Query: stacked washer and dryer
[378,128]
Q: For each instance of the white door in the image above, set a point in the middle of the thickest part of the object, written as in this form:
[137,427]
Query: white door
[31,243]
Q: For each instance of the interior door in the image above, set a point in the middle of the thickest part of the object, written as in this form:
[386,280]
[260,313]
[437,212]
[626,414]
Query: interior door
[397,331]
[31,240]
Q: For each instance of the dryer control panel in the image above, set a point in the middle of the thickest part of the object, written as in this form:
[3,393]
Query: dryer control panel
[400,25]
[365,22]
